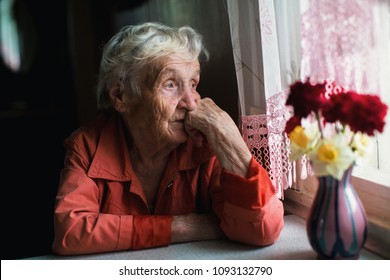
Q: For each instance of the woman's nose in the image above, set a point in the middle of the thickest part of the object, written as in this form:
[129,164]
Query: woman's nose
[188,100]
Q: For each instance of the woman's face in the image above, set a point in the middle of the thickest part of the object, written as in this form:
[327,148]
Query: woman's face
[168,91]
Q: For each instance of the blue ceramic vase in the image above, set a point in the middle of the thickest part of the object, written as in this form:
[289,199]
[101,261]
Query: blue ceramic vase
[337,221]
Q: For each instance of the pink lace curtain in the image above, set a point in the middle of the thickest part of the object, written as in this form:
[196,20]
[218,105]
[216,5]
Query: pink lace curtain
[338,43]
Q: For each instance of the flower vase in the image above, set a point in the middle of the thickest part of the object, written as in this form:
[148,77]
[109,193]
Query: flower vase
[337,221]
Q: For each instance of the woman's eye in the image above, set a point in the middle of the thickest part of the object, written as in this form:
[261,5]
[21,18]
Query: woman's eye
[194,85]
[169,85]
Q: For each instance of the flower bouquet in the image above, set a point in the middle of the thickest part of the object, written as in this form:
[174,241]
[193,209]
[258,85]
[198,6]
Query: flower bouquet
[332,126]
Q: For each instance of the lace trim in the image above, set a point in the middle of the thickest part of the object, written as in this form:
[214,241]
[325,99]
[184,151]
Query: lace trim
[265,137]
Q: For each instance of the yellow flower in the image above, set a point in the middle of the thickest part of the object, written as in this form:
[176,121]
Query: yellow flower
[302,140]
[327,153]
[332,157]
[299,137]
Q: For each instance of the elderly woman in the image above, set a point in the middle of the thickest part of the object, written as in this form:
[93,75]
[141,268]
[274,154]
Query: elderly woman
[159,165]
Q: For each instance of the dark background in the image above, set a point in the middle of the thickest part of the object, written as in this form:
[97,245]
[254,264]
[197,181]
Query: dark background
[54,93]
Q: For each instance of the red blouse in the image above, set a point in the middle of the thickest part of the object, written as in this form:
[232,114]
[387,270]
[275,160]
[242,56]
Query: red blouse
[101,207]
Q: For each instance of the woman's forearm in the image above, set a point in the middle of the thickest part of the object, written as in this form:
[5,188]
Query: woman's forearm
[230,149]
[193,227]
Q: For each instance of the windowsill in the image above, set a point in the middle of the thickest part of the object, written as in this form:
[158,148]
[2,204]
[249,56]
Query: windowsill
[371,175]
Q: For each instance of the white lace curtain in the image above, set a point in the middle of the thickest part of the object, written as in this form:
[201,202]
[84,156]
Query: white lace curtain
[278,42]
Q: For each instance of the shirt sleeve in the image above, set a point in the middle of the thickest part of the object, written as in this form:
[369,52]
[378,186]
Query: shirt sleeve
[248,208]
[79,226]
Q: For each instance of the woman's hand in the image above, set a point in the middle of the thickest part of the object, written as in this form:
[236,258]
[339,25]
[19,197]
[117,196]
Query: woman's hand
[194,134]
[222,134]
[194,227]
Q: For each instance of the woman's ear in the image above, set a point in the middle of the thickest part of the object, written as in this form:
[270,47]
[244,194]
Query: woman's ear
[117,98]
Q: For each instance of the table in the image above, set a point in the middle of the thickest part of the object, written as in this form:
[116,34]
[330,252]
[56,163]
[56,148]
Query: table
[291,245]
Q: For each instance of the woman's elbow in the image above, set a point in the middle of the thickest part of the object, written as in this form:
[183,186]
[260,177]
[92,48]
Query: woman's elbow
[262,231]
[269,234]
[67,242]
[59,247]
[259,235]
[268,230]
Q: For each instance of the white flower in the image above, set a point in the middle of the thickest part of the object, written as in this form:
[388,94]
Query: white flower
[332,157]
[361,144]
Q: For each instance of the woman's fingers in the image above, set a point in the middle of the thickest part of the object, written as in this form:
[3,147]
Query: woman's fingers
[194,134]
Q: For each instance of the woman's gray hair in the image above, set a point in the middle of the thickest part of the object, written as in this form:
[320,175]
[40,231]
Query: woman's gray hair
[136,46]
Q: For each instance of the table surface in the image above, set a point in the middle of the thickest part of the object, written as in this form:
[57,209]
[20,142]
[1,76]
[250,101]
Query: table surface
[291,245]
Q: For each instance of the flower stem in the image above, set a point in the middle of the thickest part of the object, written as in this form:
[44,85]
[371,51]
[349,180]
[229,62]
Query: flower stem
[351,141]
[319,124]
